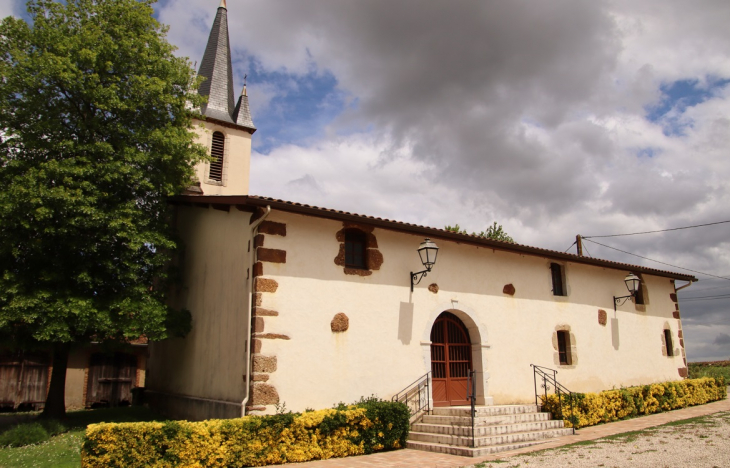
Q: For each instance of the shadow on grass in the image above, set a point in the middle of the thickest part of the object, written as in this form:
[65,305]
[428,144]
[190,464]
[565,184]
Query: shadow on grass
[80,419]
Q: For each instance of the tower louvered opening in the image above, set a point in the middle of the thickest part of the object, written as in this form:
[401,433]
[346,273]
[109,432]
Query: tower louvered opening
[216,151]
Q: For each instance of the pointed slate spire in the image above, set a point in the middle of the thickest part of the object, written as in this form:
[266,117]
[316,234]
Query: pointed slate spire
[242,114]
[216,68]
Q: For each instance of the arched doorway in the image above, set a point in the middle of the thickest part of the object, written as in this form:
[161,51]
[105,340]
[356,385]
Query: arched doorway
[451,361]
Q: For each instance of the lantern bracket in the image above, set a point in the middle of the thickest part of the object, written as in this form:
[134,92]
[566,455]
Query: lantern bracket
[417,277]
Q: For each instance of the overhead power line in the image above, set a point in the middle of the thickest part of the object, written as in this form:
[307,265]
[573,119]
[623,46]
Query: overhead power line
[657,261]
[660,230]
[704,297]
[710,289]
[709,299]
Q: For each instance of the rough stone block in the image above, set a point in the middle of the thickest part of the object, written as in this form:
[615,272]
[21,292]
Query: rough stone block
[357,272]
[258,240]
[273,228]
[264,363]
[264,394]
[509,289]
[257,324]
[265,285]
[340,323]
[682,372]
[271,255]
[375,259]
[433,287]
[272,336]
[260,312]
[602,317]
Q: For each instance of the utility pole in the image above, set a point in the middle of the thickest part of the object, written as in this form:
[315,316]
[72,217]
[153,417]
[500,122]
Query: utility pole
[579,244]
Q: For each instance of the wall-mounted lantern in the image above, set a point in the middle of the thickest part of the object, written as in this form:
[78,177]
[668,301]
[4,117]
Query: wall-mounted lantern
[428,252]
[633,283]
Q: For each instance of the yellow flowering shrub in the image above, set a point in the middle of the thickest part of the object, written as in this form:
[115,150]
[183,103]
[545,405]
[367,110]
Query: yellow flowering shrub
[368,426]
[589,409]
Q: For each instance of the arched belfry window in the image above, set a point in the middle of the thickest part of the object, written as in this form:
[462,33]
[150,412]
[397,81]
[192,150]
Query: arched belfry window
[216,151]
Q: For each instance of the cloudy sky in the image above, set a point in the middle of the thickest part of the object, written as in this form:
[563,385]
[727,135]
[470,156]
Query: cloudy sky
[553,118]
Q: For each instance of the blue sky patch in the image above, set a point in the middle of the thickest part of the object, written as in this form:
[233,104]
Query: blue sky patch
[676,97]
[300,110]
[647,152]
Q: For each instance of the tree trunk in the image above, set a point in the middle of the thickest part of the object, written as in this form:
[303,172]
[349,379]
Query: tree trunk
[56,400]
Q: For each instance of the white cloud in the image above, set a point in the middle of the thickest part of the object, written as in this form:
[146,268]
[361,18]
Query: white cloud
[10,8]
[529,113]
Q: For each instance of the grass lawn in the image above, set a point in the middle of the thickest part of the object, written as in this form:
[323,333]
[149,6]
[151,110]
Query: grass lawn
[710,369]
[64,450]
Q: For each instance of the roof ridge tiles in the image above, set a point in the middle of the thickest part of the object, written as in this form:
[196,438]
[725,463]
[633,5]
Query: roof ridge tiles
[385,222]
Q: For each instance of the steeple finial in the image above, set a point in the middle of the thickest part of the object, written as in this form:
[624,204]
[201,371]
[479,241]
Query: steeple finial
[223,4]
[243,93]
[217,70]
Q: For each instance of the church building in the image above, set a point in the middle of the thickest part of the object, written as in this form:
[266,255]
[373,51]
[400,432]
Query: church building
[306,307]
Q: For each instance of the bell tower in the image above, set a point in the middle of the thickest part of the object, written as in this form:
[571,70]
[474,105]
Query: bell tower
[228,126]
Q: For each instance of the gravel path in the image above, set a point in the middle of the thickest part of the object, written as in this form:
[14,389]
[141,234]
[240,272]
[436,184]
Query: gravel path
[703,442]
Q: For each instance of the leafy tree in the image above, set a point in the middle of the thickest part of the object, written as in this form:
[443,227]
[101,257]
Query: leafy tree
[95,135]
[495,232]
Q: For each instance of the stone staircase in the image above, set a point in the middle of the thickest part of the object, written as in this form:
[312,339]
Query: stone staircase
[497,429]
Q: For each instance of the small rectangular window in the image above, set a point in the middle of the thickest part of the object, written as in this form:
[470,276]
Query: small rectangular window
[564,347]
[557,274]
[668,342]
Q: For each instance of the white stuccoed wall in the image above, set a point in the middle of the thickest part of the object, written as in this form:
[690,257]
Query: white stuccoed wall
[387,344]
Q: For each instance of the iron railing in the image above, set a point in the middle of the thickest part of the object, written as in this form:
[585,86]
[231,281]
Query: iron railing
[417,396]
[471,396]
[548,379]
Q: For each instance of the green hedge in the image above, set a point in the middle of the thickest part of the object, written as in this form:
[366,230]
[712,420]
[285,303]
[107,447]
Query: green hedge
[612,405]
[366,427]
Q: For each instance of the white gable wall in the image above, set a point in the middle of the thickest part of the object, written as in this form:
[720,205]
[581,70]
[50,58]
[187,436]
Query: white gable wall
[387,344]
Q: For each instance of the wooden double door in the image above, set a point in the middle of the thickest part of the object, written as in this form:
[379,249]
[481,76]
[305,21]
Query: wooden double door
[111,379]
[451,361]
[24,380]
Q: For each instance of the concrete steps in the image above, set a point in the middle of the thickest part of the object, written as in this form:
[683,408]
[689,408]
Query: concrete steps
[496,429]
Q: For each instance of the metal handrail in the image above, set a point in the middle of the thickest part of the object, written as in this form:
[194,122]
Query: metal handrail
[417,396]
[544,373]
[471,396]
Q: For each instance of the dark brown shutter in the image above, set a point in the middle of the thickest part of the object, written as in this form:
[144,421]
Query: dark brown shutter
[563,347]
[355,249]
[557,273]
[668,342]
[216,151]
